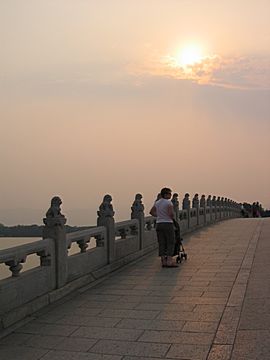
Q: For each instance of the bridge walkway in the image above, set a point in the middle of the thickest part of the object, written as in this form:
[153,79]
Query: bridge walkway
[215,306]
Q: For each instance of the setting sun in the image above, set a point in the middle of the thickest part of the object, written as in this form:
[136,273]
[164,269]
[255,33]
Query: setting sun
[189,62]
[189,56]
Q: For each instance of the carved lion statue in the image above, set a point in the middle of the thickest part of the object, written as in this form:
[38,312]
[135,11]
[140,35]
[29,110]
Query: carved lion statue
[54,210]
[106,208]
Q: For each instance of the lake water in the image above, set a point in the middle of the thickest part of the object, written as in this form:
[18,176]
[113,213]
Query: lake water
[8,242]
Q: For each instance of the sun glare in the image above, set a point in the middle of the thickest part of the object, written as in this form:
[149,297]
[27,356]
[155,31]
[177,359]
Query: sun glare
[190,62]
[188,56]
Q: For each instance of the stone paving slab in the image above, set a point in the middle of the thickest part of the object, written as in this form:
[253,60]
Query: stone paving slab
[252,340]
[151,324]
[175,308]
[107,333]
[130,314]
[21,352]
[215,306]
[144,358]
[47,329]
[147,299]
[251,345]
[220,352]
[191,352]
[113,305]
[203,300]
[105,322]
[130,348]
[190,316]
[69,355]
[178,337]
[60,343]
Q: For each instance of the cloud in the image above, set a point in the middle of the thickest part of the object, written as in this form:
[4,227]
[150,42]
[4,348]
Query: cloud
[243,72]
[239,72]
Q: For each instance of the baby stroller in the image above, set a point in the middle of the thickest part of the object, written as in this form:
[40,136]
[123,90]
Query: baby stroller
[178,248]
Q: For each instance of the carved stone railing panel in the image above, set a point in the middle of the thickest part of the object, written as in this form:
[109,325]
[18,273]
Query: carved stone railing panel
[15,266]
[150,223]
[201,211]
[16,256]
[123,229]
[82,238]
[193,213]
[45,258]
[183,215]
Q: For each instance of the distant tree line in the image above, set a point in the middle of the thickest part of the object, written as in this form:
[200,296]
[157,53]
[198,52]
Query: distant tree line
[31,230]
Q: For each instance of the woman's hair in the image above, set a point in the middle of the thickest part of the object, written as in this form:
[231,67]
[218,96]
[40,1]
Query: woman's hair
[165,191]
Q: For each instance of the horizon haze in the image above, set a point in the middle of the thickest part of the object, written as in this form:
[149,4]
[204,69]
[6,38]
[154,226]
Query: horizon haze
[125,97]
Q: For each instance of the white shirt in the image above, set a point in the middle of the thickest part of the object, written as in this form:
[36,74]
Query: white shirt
[162,206]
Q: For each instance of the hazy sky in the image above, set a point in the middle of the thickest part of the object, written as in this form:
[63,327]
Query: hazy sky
[121,96]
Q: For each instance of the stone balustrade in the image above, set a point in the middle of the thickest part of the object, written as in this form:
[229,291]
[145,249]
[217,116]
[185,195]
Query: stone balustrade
[89,258]
[101,250]
[123,229]
[83,237]
[16,256]
[25,292]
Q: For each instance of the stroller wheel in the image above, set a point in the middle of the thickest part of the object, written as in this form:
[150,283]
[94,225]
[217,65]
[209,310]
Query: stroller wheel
[185,256]
[178,259]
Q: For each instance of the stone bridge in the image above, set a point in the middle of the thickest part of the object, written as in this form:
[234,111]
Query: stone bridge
[114,301]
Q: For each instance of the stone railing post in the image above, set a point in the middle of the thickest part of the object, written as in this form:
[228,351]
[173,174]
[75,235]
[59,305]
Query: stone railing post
[55,229]
[203,206]
[196,205]
[137,212]
[219,207]
[209,205]
[105,218]
[225,207]
[186,206]
[229,208]
[176,207]
[232,208]
[214,208]
[236,209]
[222,207]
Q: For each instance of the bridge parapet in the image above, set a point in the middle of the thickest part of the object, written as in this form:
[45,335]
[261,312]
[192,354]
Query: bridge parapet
[99,251]
[83,237]
[150,223]
[25,292]
[126,228]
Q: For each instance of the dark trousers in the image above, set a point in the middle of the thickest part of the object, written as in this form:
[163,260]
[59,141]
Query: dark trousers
[166,239]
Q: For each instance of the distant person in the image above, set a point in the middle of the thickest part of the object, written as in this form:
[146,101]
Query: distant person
[254,210]
[258,212]
[163,211]
[244,212]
